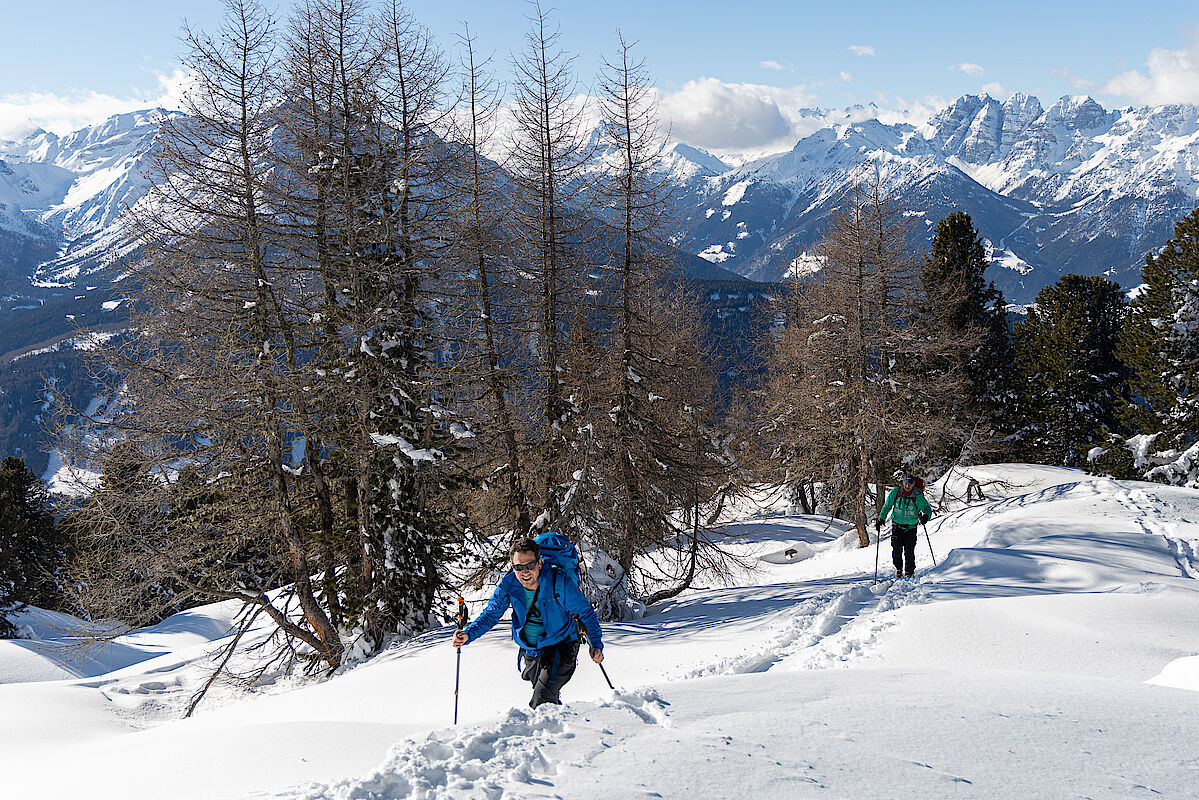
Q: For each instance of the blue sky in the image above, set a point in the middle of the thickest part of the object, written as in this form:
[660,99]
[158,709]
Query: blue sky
[72,62]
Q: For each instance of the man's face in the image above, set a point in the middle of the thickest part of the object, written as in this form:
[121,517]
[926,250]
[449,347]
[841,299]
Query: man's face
[527,568]
[907,485]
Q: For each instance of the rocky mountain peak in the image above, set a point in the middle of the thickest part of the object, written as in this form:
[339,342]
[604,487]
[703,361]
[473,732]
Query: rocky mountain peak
[1019,112]
[1079,112]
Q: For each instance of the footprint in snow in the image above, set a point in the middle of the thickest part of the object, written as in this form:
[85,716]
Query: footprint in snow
[485,761]
[646,704]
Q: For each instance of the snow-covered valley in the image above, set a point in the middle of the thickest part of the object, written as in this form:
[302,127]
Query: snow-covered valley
[1052,651]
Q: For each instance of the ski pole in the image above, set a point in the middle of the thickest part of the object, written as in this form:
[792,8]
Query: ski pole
[583,636]
[460,621]
[928,539]
[878,538]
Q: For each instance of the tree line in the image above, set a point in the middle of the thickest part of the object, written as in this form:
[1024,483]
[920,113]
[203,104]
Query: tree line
[368,355]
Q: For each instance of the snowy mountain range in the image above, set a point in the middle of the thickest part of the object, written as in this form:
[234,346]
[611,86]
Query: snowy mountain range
[71,190]
[1069,188]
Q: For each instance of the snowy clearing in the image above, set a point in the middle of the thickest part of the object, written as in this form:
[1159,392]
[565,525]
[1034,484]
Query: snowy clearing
[1051,652]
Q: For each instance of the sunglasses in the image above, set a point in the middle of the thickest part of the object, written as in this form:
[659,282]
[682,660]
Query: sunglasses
[525,567]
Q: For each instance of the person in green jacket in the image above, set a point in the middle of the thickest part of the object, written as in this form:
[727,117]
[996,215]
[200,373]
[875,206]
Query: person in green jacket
[907,506]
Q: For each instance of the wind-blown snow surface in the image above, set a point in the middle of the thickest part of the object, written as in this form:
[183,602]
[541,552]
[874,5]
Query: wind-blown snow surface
[1052,652]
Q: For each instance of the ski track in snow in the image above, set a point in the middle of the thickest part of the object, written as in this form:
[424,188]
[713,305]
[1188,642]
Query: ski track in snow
[836,626]
[826,630]
[1150,514]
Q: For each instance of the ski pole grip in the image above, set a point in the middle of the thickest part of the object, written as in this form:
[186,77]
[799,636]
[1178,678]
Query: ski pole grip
[460,619]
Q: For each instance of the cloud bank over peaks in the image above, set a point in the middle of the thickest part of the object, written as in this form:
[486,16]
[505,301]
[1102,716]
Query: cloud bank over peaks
[753,120]
[1172,76]
[22,114]
[731,116]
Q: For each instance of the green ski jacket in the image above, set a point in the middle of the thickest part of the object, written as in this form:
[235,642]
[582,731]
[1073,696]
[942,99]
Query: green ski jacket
[907,506]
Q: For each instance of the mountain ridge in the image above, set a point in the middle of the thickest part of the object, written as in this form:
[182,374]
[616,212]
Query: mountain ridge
[1071,187]
[1068,188]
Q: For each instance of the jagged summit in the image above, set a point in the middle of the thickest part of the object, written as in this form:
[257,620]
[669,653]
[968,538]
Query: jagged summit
[18,131]
[1072,187]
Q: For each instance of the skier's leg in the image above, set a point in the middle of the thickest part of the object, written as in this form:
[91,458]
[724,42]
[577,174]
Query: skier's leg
[909,552]
[538,673]
[897,547]
[557,666]
[529,667]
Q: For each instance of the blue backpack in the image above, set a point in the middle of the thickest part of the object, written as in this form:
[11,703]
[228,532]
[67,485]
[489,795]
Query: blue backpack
[556,549]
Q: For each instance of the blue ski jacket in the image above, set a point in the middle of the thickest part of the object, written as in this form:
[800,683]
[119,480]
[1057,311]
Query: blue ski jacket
[559,600]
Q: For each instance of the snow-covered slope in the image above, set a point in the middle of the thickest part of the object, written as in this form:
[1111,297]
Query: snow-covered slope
[1051,652]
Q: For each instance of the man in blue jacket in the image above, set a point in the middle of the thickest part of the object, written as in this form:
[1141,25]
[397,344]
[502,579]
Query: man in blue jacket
[545,602]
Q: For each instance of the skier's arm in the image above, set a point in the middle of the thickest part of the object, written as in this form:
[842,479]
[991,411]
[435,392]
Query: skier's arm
[922,504]
[576,603]
[495,609]
[886,509]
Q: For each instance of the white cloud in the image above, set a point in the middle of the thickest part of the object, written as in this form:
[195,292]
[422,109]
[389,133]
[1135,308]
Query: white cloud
[1173,77]
[750,120]
[997,90]
[968,68]
[912,112]
[845,76]
[734,116]
[771,65]
[1076,83]
[861,49]
[22,113]
[173,87]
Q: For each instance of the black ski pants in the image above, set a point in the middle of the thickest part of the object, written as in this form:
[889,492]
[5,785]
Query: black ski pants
[550,671]
[903,548]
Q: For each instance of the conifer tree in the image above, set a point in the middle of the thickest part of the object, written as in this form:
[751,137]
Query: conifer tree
[33,551]
[1160,345]
[290,357]
[970,315]
[482,251]
[1070,379]
[415,529]
[371,198]
[217,374]
[546,163]
[960,297]
[121,547]
[639,449]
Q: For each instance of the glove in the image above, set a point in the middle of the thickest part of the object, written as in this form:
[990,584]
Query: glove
[922,517]
[878,525]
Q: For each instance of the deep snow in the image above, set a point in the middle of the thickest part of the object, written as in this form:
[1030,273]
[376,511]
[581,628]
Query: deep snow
[1052,652]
